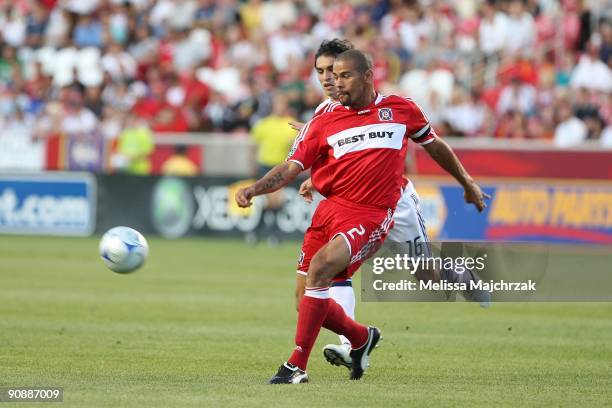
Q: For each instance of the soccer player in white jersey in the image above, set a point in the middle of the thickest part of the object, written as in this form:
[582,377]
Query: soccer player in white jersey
[408,232]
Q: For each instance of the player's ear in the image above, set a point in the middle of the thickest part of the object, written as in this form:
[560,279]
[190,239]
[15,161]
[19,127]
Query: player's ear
[369,75]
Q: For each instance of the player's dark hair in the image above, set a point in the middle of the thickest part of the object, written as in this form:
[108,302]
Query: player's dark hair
[333,48]
[361,61]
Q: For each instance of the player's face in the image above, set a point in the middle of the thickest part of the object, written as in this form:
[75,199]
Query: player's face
[325,73]
[352,86]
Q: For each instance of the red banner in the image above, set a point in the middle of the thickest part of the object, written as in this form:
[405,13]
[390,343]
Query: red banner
[558,164]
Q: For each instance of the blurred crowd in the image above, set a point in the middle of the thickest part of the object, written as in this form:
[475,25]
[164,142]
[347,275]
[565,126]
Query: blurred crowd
[533,69]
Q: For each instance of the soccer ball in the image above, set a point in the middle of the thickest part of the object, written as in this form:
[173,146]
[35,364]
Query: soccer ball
[123,249]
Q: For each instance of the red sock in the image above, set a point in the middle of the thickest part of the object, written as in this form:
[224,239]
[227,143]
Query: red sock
[312,312]
[340,323]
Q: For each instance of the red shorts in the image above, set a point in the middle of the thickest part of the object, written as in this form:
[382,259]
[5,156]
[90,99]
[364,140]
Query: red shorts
[364,229]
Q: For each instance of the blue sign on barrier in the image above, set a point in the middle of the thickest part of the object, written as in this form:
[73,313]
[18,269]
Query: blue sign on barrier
[521,210]
[48,203]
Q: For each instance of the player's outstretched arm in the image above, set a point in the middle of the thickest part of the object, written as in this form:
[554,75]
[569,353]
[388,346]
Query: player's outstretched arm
[442,153]
[275,179]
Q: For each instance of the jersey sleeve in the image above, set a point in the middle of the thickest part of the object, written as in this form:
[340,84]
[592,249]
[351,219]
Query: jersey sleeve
[306,146]
[326,106]
[418,128]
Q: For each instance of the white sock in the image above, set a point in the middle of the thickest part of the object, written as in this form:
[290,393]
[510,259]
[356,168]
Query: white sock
[345,297]
[317,292]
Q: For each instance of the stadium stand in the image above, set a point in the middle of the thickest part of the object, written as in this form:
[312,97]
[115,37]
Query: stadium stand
[80,69]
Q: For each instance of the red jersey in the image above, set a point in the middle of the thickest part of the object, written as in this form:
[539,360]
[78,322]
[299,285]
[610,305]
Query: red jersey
[327,105]
[357,156]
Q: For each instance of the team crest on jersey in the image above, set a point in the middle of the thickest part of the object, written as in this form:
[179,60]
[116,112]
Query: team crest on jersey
[385,114]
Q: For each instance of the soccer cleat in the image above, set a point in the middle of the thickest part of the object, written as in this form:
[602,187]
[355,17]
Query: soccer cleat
[289,374]
[455,250]
[338,355]
[483,297]
[361,355]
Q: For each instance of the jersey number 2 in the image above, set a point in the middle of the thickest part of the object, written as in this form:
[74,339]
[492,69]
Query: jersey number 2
[359,231]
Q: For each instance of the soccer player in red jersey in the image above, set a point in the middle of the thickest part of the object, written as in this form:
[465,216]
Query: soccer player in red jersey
[408,234]
[357,158]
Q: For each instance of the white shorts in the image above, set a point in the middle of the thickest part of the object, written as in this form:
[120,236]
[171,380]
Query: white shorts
[409,224]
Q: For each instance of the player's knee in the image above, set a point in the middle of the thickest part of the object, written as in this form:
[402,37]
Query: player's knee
[315,273]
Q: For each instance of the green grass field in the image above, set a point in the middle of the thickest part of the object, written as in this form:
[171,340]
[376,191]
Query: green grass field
[206,323]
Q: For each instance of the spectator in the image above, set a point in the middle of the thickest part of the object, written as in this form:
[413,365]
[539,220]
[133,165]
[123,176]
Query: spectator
[408,30]
[465,115]
[493,29]
[8,63]
[112,123]
[77,118]
[606,137]
[170,119]
[36,24]
[88,32]
[570,131]
[93,100]
[520,29]
[14,28]
[512,125]
[118,23]
[543,125]
[58,27]
[134,148]
[517,96]
[250,16]
[263,98]
[190,49]
[81,128]
[161,12]
[183,15]
[144,47]
[118,63]
[197,95]
[241,51]
[277,14]
[286,47]
[179,164]
[273,137]
[118,96]
[421,84]
[591,72]
[205,11]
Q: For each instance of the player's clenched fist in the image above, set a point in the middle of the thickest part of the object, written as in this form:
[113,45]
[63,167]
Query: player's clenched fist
[244,196]
[306,190]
